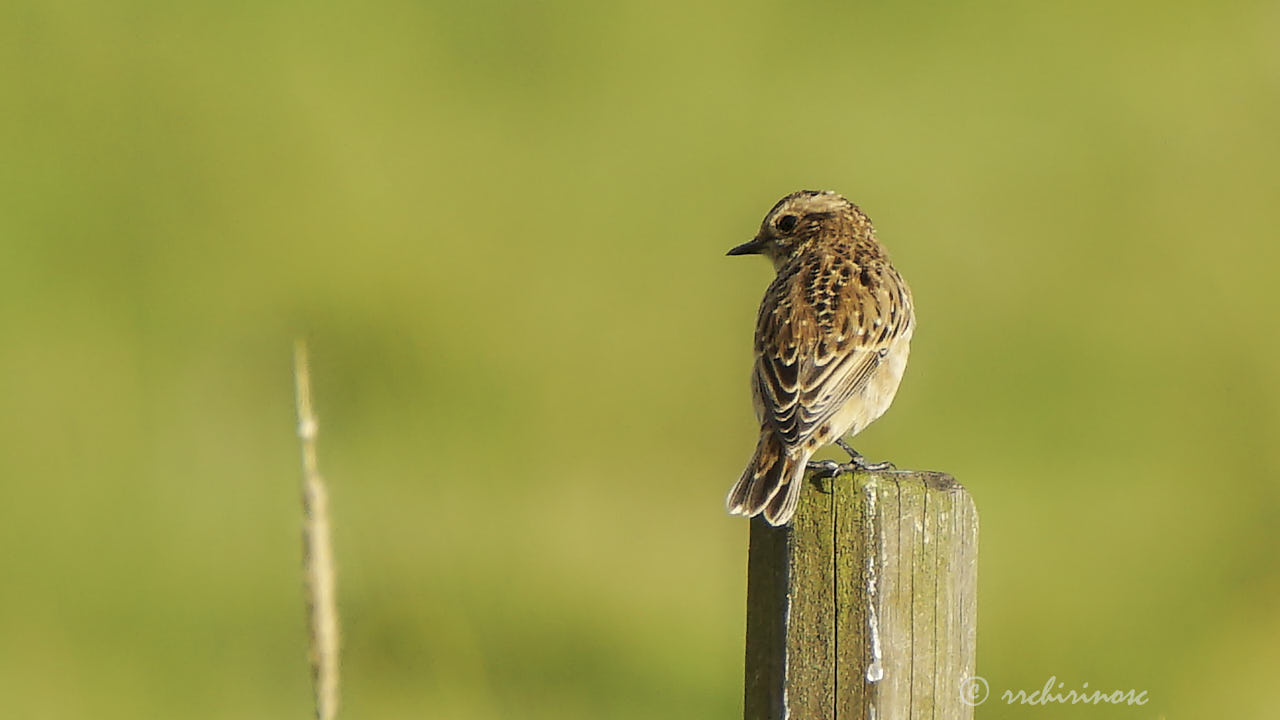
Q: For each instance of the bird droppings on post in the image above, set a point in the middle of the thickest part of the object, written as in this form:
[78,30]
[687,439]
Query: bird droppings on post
[875,669]
[786,668]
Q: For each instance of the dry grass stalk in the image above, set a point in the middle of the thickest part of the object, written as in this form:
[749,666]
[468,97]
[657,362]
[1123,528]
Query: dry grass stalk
[317,550]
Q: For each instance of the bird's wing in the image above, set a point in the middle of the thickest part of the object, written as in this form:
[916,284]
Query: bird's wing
[824,328]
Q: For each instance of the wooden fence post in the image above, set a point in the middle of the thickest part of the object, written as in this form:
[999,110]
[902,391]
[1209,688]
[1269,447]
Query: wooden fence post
[865,607]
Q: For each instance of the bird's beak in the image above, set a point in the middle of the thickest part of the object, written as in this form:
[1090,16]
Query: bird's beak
[754,246]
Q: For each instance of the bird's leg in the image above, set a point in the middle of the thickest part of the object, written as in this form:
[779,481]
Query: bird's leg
[853,454]
[858,461]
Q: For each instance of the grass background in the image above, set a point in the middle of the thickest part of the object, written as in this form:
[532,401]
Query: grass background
[501,226]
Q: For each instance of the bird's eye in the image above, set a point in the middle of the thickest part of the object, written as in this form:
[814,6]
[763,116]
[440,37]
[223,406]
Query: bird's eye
[787,223]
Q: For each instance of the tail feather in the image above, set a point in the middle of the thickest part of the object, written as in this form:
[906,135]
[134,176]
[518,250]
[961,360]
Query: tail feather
[770,484]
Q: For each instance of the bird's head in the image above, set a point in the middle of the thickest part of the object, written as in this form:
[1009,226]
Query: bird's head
[801,219]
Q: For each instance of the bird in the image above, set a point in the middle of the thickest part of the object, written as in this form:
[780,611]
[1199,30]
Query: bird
[831,343]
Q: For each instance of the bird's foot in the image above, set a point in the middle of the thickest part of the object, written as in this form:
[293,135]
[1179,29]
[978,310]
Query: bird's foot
[862,464]
[824,468]
[858,462]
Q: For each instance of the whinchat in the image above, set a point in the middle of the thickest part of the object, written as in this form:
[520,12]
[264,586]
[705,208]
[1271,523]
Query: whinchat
[831,344]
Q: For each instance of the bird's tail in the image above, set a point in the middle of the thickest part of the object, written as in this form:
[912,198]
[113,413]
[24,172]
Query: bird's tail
[771,483]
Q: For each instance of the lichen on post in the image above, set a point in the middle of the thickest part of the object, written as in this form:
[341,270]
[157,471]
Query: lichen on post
[865,606]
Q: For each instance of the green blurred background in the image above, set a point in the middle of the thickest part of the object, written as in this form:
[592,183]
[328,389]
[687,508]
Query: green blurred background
[502,225]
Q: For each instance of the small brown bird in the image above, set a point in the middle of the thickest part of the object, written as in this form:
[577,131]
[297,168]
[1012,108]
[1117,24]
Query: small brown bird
[831,344]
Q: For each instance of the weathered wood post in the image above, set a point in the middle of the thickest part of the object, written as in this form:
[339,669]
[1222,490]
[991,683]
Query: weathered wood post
[865,607]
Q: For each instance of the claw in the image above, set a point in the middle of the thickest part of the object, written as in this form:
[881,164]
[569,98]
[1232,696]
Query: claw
[862,464]
[824,468]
